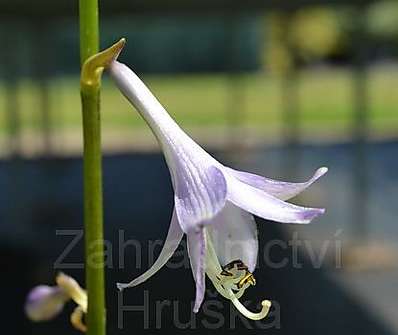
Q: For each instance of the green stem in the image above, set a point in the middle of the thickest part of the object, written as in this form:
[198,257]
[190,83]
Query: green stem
[89,29]
[92,174]
[93,217]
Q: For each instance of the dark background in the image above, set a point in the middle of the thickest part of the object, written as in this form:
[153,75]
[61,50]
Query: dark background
[41,193]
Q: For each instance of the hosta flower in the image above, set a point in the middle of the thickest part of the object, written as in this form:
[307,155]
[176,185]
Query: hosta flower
[213,204]
[46,302]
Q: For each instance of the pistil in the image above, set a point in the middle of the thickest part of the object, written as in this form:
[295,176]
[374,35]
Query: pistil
[231,281]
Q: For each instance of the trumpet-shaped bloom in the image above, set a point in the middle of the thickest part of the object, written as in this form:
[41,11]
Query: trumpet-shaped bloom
[46,302]
[213,204]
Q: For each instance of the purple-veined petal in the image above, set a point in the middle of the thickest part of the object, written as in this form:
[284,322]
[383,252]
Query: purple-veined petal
[200,193]
[200,188]
[279,189]
[234,236]
[197,256]
[45,302]
[172,242]
[266,206]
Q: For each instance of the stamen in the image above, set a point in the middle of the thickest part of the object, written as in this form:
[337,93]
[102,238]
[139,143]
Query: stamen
[76,319]
[236,275]
[248,278]
[231,281]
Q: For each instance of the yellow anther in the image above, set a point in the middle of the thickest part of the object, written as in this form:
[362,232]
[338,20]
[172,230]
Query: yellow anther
[248,278]
[237,273]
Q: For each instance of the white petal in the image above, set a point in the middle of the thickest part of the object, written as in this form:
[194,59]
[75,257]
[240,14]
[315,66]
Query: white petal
[173,239]
[266,206]
[197,256]
[234,236]
[279,189]
[213,267]
[132,87]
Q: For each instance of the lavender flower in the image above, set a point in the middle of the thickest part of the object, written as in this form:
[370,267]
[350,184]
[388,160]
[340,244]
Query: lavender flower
[213,204]
[44,302]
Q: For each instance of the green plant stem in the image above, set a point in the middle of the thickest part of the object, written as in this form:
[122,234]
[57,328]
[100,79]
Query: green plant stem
[93,213]
[92,174]
[89,29]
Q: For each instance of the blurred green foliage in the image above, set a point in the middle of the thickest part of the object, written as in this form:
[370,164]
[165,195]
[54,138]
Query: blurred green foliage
[305,36]
[216,46]
[204,100]
[317,34]
[383,19]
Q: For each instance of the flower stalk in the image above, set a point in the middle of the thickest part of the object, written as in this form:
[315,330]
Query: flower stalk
[92,172]
[90,84]
[93,212]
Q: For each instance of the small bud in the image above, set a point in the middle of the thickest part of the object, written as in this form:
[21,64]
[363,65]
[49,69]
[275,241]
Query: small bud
[45,302]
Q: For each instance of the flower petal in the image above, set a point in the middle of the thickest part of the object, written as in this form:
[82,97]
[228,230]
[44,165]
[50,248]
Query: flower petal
[200,187]
[45,302]
[266,206]
[173,239]
[279,189]
[200,194]
[197,256]
[234,236]
[133,88]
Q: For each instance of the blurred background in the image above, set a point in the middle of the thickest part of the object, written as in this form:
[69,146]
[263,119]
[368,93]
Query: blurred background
[276,88]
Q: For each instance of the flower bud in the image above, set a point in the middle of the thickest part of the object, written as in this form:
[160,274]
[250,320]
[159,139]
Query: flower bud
[45,302]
